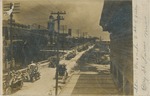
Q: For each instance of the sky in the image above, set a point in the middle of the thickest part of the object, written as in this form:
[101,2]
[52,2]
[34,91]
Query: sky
[80,14]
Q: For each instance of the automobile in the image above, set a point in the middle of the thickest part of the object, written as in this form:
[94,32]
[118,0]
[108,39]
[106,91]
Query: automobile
[52,62]
[32,73]
[85,47]
[13,81]
[25,75]
[62,72]
[105,59]
[79,49]
[82,48]
[70,55]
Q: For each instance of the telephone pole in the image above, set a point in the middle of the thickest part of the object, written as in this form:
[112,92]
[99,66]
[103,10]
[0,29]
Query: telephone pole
[64,27]
[10,9]
[83,37]
[59,18]
[78,33]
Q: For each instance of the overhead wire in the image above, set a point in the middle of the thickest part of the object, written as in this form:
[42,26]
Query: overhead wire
[42,12]
[35,17]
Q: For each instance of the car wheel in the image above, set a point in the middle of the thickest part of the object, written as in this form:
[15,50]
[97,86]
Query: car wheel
[21,84]
[38,77]
[33,79]
[8,91]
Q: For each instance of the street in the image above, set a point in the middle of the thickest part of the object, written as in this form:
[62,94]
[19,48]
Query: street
[70,48]
[40,87]
[45,86]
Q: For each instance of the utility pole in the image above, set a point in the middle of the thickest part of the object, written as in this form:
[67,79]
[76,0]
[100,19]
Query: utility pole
[78,33]
[85,34]
[58,22]
[64,27]
[85,37]
[10,9]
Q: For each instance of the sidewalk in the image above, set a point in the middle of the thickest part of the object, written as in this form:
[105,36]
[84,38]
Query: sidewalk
[91,83]
[67,90]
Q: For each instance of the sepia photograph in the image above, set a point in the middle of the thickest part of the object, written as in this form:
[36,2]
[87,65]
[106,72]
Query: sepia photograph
[67,48]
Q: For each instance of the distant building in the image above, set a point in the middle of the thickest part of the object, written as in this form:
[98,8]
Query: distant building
[51,29]
[26,43]
[51,24]
[70,32]
[105,46]
[105,42]
[116,18]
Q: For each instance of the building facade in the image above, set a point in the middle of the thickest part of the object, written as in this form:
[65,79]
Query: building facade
[116,18]
[26,43]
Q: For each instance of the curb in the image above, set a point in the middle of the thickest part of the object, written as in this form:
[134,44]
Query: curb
[67,81]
